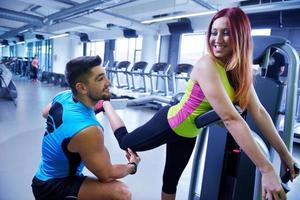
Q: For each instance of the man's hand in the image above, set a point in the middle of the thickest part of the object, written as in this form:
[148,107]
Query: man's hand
[132,156]
[133,159]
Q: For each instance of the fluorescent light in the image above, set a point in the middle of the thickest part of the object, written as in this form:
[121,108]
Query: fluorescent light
[161,19]
[2,46]
[59,36]
[21,42]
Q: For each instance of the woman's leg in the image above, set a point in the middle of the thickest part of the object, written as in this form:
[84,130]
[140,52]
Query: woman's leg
[152,134]
[114,119]
[178,155]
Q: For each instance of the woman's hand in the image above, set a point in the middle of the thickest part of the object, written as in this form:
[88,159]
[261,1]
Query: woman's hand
[288,163]
[271,186]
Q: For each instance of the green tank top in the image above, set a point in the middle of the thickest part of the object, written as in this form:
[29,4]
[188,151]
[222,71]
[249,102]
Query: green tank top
[181,117]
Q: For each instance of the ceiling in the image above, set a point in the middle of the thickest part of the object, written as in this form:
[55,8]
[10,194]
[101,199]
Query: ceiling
[21,19]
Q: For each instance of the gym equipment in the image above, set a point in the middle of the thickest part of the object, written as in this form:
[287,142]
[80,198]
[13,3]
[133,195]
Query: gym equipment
[221,165]
[122,67]
[286,177]
[151,101]
[110,68]
[182,71]
[159,70]
[221,173]
[138,70]
[7,86]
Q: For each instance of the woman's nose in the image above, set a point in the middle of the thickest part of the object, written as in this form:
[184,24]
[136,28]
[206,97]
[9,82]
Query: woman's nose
[219,37]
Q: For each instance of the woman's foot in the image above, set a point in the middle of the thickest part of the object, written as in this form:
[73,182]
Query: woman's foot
[99,107]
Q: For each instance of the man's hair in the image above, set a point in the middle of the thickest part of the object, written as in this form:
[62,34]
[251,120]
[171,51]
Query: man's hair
[78,69]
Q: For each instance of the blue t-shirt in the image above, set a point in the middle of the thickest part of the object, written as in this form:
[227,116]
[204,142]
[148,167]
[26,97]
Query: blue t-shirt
[66,118]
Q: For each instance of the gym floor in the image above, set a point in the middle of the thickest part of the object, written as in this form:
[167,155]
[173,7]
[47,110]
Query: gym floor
[22,129]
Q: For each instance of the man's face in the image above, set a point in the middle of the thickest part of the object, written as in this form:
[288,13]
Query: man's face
[98,85]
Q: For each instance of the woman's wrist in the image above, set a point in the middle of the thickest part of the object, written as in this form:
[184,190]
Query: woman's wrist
[284,153]
[266,168]
[107,106]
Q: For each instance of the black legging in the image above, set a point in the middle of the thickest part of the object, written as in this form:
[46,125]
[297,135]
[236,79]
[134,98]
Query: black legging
[153,134]
[34,72]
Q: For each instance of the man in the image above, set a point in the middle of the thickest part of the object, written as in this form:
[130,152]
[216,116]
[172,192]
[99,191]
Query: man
[74,138]
[276,65]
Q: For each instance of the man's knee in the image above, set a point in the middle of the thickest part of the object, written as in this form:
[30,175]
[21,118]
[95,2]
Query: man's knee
[123,192]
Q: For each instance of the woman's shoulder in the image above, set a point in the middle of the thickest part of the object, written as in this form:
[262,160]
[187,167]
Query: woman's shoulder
[206,62]
[205,65]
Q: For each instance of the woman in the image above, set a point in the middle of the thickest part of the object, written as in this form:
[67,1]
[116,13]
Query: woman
[218,79]
[35,66]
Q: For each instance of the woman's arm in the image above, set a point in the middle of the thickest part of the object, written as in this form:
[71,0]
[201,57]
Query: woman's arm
[45,111]
[265,124]
[206,74]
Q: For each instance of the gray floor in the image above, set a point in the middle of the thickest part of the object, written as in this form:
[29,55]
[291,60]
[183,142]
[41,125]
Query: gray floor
[21,131]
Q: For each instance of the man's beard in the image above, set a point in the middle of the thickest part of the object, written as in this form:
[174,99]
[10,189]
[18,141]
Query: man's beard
[105,97]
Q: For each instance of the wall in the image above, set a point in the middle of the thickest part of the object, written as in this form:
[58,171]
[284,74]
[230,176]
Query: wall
[292,34]
[164,48]
[21,50]
[149,49]
[5,51]
[65,49]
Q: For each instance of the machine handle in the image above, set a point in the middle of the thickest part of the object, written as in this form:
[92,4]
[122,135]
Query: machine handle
[286,177]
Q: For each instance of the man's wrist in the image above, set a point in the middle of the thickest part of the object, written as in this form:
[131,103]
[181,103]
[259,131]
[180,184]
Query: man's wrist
[134,167]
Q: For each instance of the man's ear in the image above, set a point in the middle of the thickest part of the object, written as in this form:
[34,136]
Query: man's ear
[81,88]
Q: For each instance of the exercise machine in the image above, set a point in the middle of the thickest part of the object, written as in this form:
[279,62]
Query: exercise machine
[221,170]
[7,86]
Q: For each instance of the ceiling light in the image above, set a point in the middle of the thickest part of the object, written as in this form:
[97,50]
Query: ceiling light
[59,36]
[162,19]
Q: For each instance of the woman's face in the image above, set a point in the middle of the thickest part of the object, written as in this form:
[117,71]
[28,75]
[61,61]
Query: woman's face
[220,39]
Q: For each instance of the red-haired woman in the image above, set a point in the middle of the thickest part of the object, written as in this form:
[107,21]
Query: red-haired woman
[217,80]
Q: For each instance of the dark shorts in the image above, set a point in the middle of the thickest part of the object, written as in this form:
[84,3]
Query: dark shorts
[57,189]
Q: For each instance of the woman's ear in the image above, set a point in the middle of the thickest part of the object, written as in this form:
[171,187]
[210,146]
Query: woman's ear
[81,88]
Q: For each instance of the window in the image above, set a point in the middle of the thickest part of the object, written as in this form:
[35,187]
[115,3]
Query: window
[128,49]
[266,31]
[192,47]
[13,50]
[96,48]
[48,55]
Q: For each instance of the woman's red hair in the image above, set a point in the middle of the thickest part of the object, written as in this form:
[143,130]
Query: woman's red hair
[238,67]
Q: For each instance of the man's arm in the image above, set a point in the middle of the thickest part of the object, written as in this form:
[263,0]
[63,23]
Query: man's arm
[89,143]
